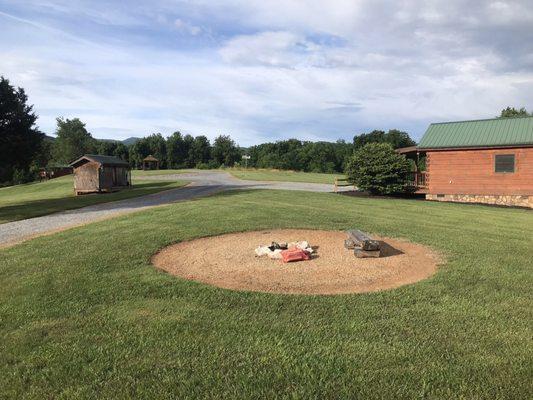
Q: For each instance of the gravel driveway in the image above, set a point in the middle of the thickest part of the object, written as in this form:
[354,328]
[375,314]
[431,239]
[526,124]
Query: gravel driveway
[203,183]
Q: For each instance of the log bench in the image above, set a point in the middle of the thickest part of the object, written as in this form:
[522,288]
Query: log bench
[362,244]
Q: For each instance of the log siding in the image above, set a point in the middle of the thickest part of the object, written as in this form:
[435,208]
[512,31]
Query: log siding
[472,172]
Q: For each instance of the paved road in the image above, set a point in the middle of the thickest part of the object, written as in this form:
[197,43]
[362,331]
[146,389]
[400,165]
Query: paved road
[203,183]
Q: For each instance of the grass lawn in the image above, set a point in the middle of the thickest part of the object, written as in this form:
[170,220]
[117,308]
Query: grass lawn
[83,314]
[287,176]
[140,173]
[41,198]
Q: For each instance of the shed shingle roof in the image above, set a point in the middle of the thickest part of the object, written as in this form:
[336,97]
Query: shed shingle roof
[479,133]
[104,160]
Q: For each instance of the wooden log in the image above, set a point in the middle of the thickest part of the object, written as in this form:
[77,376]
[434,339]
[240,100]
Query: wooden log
[362,240]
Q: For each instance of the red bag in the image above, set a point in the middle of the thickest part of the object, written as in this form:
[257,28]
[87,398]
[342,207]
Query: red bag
[294,254]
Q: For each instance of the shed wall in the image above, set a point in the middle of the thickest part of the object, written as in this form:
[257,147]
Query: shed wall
[471,172]
[112,177]
[86,177]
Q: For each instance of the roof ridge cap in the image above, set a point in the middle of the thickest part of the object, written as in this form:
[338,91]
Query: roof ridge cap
[482,119]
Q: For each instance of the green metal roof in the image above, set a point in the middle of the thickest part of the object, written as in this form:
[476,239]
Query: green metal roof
[479,133]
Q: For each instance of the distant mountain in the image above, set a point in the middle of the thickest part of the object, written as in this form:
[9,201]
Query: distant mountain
[131,140]
[128,142]
[108,140]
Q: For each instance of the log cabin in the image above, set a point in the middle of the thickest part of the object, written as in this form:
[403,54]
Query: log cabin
[54,172]
[100,174]
[483,161]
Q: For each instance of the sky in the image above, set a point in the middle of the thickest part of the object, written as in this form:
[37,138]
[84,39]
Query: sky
[267,70]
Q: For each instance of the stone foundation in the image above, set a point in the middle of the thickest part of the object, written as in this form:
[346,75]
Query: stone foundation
[501,200]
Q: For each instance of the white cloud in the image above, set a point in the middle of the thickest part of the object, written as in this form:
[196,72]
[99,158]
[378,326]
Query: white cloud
[184,26]
[265,70]
[277,49]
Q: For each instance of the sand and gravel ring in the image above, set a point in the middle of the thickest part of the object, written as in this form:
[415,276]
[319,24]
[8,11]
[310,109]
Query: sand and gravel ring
[228,261]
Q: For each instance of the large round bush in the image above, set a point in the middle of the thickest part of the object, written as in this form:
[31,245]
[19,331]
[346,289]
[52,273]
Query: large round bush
[378,169]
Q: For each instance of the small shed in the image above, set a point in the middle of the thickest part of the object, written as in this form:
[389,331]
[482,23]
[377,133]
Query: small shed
[100,174]
[150,162]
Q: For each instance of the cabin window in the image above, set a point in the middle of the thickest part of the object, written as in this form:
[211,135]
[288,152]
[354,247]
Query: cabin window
[504,163]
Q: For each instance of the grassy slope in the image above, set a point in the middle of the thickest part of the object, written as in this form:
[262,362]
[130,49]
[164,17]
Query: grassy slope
[287,176]
[41,198]
[106,324]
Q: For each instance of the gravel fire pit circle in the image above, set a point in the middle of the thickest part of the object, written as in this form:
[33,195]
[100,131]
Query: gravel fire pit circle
[228,261]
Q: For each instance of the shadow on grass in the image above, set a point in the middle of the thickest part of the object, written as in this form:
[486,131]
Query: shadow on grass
[35,208]
[366,195]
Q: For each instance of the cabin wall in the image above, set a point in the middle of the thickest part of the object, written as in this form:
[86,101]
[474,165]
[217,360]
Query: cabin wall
[86,177]
[469,176]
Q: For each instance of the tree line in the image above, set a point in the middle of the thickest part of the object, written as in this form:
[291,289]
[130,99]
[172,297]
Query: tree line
[186,151]
[177,151]
[24,149]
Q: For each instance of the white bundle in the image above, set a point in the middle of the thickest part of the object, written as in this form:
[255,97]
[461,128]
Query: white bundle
[265,251]
[262,251]
[302,245]
[276,254]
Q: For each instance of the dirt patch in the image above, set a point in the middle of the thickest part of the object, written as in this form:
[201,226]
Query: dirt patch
[228,261]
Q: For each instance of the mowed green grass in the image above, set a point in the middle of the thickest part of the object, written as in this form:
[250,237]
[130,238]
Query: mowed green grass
[84,315]
[284,176]
[41,198]
[156,172]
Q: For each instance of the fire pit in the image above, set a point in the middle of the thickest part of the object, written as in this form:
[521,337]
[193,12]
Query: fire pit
[229,261]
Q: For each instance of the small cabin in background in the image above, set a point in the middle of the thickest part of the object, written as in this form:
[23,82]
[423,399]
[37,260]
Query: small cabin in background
[150,163]
[54,172]
[100,174]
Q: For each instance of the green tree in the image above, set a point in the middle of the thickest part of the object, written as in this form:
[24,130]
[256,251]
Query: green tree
[301,156]
[73,140]
[176,151]
[112,148]
[394,137]
[398,139]
[158,148]
[154,145]
[200,150]
[378,169]
[138,151]
[121,151]
[106,147]
[188,142]
[225,151]
[290,154]
[373,137]
[20,140]
[318,157]
[44,154]
[511,112]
